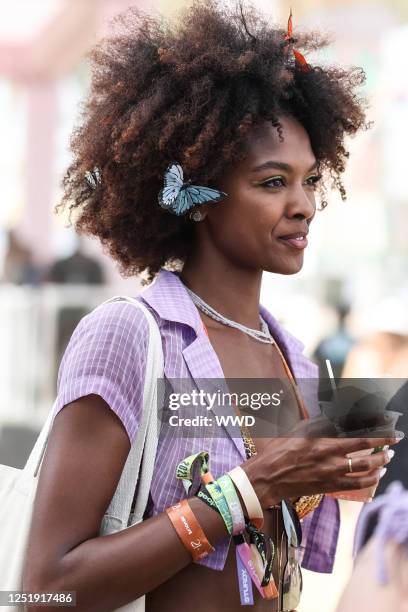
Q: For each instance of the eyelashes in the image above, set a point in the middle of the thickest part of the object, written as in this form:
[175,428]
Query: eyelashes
[314,179]
[311,181]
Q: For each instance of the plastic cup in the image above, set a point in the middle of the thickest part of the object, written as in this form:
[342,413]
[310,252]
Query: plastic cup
[361,495]
[364,495]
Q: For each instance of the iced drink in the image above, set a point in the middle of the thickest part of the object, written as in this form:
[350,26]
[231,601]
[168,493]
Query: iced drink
[364,495]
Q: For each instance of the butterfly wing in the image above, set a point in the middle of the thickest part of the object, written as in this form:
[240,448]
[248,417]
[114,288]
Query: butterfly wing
[93,177]
[174,175]
[200,195]
[178,197]
[192,195]
[183,202]
[173,182]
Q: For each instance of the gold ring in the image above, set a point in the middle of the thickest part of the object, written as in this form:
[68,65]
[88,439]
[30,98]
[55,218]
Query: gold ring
[350,464]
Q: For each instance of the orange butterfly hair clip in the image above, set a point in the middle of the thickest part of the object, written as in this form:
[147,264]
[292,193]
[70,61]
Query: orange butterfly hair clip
[299,58]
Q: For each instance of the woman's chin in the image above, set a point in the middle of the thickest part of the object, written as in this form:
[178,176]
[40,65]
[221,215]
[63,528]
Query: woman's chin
[286,268]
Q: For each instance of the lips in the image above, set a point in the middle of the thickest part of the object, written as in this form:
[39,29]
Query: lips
[295,240]
[295,235]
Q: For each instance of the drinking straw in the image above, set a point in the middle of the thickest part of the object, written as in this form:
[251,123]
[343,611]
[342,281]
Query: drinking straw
[332,380]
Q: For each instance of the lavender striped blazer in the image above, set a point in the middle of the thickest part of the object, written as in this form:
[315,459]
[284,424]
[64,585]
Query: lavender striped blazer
[106,355]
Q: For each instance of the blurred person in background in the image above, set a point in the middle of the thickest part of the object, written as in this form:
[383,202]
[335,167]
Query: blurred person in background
[379,582]
[398,469]
[383,350]
[337,345]
[76,269]
[19,267]
[383,353]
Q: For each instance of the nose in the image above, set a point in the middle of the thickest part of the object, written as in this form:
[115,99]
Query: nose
[301,203]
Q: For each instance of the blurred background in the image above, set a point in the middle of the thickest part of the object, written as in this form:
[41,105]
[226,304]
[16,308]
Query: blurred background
[349,303]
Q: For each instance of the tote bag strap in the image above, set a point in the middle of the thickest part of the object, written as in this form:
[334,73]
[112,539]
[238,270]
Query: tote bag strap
[138,471]
[145,443]
[34,460]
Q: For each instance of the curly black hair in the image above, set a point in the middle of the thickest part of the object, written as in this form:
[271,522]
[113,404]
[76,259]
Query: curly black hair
[189,91]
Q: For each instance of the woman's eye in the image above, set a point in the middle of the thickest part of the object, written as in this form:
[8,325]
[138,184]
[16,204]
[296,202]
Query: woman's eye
[313,180]
[279,181]
[276,181]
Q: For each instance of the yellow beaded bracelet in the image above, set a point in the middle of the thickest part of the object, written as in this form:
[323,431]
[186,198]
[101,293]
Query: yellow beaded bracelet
[307,503]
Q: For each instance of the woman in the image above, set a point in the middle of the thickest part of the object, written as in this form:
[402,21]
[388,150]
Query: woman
[228,101]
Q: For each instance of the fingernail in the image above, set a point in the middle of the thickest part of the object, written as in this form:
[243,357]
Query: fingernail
[383,472]
[391,453]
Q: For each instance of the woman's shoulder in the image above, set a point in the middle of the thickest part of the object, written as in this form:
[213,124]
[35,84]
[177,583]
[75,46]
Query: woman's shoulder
[117,312]
[111,341]
[107,355]
[117,322]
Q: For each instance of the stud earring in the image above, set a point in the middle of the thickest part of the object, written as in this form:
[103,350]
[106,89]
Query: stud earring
[197,215]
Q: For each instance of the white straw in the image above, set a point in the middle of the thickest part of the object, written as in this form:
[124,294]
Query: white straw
[332,379]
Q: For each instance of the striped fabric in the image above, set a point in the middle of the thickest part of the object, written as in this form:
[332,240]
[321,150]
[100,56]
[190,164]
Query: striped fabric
[106,356]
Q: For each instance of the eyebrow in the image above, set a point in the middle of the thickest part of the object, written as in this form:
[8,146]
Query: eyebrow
[279,166]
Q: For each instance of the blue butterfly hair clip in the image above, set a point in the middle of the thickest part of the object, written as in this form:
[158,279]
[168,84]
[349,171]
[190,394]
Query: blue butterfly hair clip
[93,177]
[179,197]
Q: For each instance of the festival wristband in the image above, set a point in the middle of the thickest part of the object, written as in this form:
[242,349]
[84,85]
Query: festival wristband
[259,565]
[268,580]
[234,505]
[205,497]
[251,501]
[245,558]
[185,470]
[262,557]
[245,583]
[270,590]
[189,530]
[244,552]
[258,548]
[218,498]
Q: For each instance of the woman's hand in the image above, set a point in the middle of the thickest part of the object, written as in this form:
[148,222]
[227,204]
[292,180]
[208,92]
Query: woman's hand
[303,465]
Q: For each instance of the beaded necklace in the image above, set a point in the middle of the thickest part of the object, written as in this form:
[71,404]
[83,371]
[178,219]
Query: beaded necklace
[261,336]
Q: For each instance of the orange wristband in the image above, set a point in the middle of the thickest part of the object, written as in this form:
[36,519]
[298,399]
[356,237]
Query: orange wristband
[189,530]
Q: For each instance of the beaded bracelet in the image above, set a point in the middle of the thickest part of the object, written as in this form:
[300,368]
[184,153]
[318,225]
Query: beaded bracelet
[307,503]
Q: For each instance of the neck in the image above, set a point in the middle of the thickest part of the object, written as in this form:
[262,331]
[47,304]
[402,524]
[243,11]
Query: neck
[231,289]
